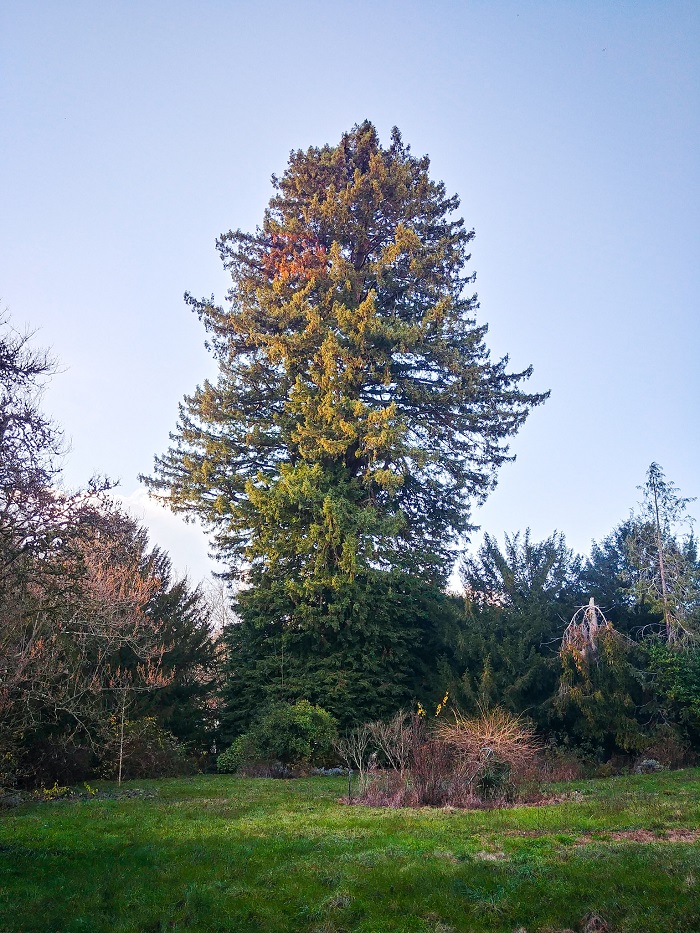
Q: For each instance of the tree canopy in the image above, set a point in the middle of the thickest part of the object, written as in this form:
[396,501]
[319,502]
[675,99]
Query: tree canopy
[356,418]
[518,599]
[357,414]
[90,620]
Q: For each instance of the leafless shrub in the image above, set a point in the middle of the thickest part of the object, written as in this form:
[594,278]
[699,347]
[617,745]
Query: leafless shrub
[435,775]
[398,738]
[494,737]
[560,765]
[468,762]
[354,748]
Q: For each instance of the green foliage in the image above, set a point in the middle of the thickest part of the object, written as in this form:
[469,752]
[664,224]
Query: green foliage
[611,576]
[668,573]
[675,680]
[298,736]
[185,704]
[356,412]
[55,793]
[601,693]
[355,418]
[389,634]
[494,781]
[90,618]
[149,751]
[242,750]
[517,601]
[301,734]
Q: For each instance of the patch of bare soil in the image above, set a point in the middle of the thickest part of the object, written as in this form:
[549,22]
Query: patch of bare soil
[621,835]
[591,923]
[645,835]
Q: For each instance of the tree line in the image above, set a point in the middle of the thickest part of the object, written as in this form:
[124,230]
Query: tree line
[356,419]
[106,662]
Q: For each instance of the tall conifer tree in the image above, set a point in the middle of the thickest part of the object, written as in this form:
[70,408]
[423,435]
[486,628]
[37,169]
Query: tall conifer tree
[356,416]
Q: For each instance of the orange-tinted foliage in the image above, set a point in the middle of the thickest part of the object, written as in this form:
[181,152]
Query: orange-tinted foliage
[293,256]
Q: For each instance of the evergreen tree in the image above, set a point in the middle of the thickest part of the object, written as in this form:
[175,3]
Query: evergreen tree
[646,574]
[185,705]
[668,576]
[611,577]
[519,599]
[602,694]
[357,413]
[394,646]
[673,674]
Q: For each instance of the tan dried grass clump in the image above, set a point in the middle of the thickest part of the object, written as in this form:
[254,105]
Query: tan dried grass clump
[492,735]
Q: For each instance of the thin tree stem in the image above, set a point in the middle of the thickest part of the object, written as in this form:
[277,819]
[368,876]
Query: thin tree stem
[121,742]
[664,593]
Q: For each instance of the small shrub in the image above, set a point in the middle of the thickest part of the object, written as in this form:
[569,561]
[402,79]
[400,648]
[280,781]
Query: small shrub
[496,743]
[669,748]
[57,792]
[464,763]
[398,738]
[149,751]
[648,766]
[563,764]
[433,776]
[228,762]
[355,749]
[243,750]
[58,757]
[287,739]
[494,781]
[606,770]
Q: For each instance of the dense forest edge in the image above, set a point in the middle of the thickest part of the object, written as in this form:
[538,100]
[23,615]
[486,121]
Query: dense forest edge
[356,420]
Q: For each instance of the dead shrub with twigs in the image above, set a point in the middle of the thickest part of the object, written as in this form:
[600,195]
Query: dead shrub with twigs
[434,779]
[494,751]
[466,762]
[397,739]
[354,749]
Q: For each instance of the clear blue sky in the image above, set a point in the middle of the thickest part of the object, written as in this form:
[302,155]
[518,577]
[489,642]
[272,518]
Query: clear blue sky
[133,133]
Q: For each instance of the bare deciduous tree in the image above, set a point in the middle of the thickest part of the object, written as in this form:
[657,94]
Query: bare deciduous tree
[354,749]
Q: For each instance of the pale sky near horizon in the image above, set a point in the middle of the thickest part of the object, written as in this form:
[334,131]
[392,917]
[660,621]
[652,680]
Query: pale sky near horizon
[134,133]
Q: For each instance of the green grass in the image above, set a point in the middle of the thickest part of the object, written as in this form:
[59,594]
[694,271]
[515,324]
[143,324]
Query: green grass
[222,853]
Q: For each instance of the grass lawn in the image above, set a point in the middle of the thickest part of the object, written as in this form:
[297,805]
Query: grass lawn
[226,853]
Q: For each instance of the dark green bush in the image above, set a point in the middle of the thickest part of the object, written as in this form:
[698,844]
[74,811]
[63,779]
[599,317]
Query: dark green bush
[495,781]
[244,750]
[296,737]
[674,674]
